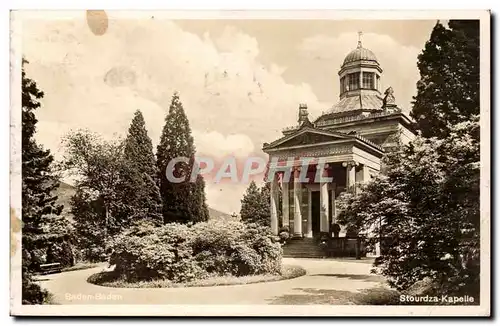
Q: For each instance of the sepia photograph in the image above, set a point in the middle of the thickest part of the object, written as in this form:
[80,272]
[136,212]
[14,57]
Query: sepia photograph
[244,163]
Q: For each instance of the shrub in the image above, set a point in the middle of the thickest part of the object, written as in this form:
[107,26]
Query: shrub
[145,253]
[284,234]
[60,252]
[33,293]
[182,253]
[377,296]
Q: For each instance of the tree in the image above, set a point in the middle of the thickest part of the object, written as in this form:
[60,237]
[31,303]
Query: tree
[141,182]
[99,207]
[255,205]
[39,207]
[427,207]
[182,201]
[448,89]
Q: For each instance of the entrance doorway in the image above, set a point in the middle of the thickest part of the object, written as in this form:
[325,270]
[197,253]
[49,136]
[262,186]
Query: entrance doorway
[315,212]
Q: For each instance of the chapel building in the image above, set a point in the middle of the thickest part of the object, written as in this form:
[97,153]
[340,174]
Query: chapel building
[350,139]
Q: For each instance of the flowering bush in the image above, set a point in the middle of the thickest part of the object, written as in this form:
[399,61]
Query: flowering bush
[182,253]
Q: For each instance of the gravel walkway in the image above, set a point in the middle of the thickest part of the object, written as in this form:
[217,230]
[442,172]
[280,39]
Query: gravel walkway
[327,281]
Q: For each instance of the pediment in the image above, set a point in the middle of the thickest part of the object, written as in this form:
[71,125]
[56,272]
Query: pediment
[307,136]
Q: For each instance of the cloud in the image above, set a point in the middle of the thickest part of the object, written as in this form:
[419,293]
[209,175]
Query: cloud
[234,103]
[215,144]
[399,62]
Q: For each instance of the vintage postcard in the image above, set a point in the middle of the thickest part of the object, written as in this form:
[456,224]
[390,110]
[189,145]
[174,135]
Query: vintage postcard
[250,163]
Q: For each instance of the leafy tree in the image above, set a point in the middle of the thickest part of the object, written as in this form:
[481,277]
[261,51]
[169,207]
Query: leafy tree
[141,183]
[39,207]
[184,201]
[99,207]
[426,208]
[448,89]
[255,205]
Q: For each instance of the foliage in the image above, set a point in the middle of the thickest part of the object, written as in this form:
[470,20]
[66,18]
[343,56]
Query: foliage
[146,252]
[40,212]
[97,205]
[140,184]
[427,206]
[32,293]
[448,89]
[183,202]
[38,178]
[111,279]
[378,296]
[60,252]
[181,253]
[284,234]
[255,205]
[88,213]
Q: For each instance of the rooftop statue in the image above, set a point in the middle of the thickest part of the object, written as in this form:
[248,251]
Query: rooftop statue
[389,99]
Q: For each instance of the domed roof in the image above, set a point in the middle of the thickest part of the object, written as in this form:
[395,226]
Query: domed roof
[358,54]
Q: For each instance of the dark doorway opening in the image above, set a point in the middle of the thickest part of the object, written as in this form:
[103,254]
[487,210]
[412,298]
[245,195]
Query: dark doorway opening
[315,212]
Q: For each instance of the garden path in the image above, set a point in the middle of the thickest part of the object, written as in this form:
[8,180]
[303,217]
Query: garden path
[328,281]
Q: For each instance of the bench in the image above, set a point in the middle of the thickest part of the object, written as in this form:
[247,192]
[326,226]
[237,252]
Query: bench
[50,268]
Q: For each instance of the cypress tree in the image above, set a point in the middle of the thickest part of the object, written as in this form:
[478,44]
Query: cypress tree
[141,183]
[39,205]
[185,201]
[448,89]
[255,205]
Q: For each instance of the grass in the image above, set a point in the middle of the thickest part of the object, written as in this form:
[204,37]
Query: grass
[378,296]
[112,280]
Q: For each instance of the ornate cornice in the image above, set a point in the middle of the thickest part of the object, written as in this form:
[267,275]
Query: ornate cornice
[313,152]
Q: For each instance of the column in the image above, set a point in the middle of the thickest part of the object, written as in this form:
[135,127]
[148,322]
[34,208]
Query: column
[366,174]
[274,205]
[285,209]
[309,215]
[333,206]
[324,223]
[350,175]
[297,203]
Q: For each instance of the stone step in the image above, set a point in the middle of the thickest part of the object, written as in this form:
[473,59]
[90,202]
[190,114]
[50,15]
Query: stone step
[303,248]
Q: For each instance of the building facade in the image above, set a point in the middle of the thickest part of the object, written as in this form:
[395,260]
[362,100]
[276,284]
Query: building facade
[315,161]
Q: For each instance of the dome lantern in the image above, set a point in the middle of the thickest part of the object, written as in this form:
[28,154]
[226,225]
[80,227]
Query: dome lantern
[360,72]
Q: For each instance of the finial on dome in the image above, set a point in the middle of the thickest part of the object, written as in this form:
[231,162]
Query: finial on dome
[360,33]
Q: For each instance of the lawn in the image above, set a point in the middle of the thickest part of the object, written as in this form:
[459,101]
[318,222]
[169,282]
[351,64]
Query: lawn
[112,280]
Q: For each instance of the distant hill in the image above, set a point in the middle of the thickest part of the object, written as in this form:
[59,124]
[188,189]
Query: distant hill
[218,215]
[66,191]
[64,194]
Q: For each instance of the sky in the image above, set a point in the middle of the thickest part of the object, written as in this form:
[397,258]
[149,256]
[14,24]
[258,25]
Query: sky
[240,81]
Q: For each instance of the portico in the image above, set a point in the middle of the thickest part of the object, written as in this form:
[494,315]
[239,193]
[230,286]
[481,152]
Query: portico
[310,176]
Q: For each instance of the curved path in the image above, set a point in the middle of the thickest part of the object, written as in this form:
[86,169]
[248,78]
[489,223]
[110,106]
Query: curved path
[327,281]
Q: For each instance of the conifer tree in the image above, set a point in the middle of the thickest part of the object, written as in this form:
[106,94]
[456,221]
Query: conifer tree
[184,201]
[38,184]
[448,89]
[255,205]
[141,183]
